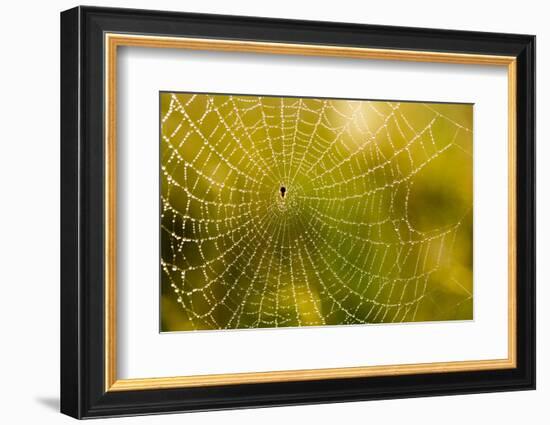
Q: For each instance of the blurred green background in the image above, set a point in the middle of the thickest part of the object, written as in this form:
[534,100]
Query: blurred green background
[375,224]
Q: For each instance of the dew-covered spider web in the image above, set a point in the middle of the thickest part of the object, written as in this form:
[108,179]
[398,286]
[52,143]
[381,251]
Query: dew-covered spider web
[280,211]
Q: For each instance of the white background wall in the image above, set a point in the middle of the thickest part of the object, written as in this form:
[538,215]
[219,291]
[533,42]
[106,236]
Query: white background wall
[29,211]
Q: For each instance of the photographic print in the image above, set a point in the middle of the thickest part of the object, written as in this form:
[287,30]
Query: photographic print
[299,211]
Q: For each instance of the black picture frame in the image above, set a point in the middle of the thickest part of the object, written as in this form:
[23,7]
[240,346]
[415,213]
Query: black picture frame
[83,392]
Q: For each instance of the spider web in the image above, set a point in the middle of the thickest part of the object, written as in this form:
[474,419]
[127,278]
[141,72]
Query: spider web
[373,224]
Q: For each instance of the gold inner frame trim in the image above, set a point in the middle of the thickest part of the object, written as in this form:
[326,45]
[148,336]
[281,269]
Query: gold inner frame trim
[113,41]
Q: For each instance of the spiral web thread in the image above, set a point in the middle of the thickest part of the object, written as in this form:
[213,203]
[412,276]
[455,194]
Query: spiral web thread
[339,246]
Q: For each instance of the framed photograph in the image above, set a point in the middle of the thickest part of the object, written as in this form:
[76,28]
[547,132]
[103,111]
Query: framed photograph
[261,212]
